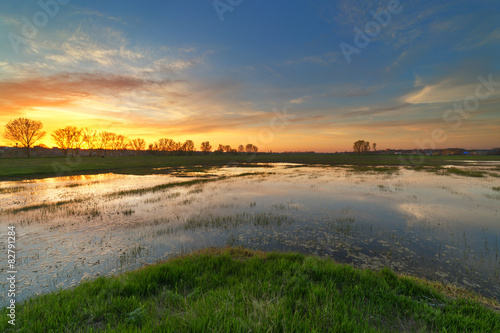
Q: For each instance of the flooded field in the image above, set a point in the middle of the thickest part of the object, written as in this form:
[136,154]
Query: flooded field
[442,227]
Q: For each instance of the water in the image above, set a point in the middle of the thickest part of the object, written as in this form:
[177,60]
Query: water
[442,228]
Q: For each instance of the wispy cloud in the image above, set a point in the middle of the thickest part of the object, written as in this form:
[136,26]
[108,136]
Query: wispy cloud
[446,91]
[352,90]
[300,100]
[70,89]
[480,39]
[322,59]
[89,13]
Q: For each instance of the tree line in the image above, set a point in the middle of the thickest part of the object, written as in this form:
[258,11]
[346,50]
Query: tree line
[28,132]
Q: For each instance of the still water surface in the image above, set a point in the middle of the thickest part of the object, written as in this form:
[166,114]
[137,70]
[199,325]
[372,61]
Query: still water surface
[443,228]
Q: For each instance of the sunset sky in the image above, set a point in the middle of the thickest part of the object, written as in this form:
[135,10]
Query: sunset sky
[271,73]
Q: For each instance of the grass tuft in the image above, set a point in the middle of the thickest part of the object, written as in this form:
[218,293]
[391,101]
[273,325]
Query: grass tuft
[239,290]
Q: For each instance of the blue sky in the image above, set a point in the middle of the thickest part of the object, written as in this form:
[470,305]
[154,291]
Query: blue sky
[270,73]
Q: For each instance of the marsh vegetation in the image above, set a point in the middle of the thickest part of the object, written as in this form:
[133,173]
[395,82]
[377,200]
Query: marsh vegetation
[434,225]
[238,290]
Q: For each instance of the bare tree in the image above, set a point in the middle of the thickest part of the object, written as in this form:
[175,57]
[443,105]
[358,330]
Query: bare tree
[77,140]
[188,146]
[176,146]
[138,144]
[104,141]
[374,146]
[361,146]
[90,139]
[165,145]
[24,131]
[206,147]
[64,138]
[112,142]
[121,142]
[250,148]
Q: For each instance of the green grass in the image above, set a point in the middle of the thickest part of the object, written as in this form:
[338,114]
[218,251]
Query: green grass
[51,206]
[454,171]
[496,189]
[238,290]
[465,173]
[233,221]
[43,167]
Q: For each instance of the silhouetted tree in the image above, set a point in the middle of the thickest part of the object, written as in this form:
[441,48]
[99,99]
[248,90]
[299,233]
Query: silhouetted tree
[206,147]
[188,146]
[24,131]
[104,141]
[250,148]
[122,143]
[67,138]
[138,144]
[241,149]
[90,139]
[374,146]
[361,146]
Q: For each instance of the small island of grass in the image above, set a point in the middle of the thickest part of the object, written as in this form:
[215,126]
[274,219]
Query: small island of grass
[239,290]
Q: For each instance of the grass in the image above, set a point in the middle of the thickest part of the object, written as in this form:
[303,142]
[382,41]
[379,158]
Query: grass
[373,169]
[466,173]
[233,221]
[496,189]
[238,290]
[51,206]
[43,167]
[454,171]
[12,189]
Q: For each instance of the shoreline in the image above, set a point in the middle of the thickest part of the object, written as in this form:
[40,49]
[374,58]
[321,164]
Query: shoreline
[237,289]
[17,169]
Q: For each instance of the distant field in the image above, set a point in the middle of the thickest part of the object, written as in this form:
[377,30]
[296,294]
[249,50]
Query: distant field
[43,167]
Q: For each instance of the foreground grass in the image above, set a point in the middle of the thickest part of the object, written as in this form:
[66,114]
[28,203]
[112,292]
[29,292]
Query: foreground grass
[42,167]
[237,290]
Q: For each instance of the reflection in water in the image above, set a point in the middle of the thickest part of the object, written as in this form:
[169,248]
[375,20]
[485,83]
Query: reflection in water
[443,228]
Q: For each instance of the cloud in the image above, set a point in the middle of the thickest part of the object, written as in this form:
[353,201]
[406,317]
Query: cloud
[322,59]
[418,82]
[446,91]
[70,89]
[352,90]
[479,39]
[300,100]
[88,12]
[376,111]
[80,47]
[6,20]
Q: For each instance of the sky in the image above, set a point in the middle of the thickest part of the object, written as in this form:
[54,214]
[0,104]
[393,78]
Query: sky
[294,75]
